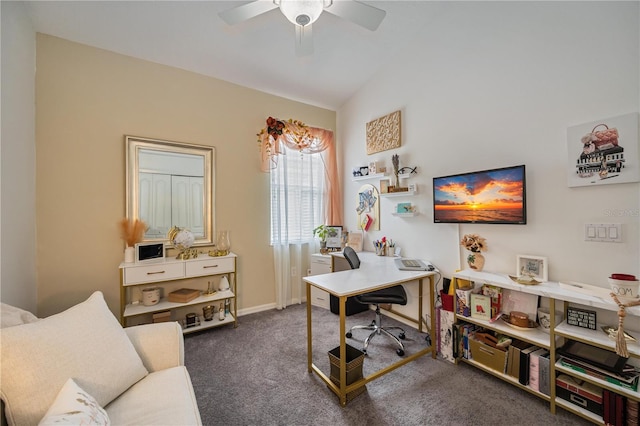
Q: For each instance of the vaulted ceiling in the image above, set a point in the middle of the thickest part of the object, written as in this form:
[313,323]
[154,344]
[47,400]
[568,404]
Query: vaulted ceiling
[258,53]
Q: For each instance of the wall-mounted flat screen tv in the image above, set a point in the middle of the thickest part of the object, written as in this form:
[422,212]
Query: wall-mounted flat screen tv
[487,196]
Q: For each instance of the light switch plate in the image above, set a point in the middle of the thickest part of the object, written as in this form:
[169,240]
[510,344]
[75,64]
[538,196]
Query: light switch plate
[603,232]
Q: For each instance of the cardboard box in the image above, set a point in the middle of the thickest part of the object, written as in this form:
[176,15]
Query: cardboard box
[489,356]
[183,295]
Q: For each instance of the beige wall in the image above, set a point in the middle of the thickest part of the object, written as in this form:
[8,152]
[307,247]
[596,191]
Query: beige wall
[87,99]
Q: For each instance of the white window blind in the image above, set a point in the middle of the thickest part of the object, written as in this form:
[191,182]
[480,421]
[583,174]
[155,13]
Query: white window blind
[297,188]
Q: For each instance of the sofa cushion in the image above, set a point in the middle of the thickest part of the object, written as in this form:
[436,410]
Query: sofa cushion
[164,397]
[74,406]
[85,343]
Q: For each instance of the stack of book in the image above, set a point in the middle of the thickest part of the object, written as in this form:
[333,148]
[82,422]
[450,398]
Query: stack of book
[619,410]
[628,379]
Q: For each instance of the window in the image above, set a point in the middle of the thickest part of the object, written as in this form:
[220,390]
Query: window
[297,189]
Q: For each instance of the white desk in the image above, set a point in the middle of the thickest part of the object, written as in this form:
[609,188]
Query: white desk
[375,273]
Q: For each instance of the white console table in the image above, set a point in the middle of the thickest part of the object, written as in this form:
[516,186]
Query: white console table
[166,273]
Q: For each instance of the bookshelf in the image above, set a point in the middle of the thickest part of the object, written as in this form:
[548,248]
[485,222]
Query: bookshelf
[559,298]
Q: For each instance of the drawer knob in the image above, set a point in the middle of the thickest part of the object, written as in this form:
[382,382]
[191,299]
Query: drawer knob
[154,273]
[210,266]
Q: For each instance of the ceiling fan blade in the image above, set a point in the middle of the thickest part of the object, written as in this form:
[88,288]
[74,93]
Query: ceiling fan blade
[246,11]
[362,14]
[304,40]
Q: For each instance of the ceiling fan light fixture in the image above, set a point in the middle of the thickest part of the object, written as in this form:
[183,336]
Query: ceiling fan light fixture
[302,12]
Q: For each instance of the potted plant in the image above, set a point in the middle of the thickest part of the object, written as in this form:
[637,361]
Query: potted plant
[322,231]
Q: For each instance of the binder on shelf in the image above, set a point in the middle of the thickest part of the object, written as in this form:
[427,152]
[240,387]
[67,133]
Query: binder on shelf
[517,346]
[524,364]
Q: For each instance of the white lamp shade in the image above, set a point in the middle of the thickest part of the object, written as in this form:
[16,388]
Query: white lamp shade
[302,12]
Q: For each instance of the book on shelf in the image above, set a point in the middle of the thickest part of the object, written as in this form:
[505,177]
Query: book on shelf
[620,410]
[625,380]
[544,374]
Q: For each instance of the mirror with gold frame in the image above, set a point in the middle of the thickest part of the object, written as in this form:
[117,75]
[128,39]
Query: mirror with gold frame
[170,184]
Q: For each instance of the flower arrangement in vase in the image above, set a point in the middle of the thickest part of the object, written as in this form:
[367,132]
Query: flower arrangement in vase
[131,232]
[475,244]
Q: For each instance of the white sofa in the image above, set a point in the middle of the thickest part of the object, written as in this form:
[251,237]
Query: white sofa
[137,374]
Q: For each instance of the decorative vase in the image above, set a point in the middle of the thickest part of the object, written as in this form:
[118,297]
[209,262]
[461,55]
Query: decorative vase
[475,261]
[223,244]
[129,254]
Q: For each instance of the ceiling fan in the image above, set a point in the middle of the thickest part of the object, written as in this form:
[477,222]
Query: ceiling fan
[303,13]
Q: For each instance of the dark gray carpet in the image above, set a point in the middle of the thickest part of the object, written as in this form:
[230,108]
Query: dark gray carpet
[256,374]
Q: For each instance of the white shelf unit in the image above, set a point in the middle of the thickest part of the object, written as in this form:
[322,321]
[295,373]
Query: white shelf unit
[409,214]
[399,194]
[370,177]
[564,297]
[166,273]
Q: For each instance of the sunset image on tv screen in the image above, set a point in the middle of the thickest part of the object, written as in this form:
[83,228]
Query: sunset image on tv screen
[492,196]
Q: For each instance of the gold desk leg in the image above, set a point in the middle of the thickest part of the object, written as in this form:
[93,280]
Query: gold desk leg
[420,305]
[432,302]
[309,344]
[343,352]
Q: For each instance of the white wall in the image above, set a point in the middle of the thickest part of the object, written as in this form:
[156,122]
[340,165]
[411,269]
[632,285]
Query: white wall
[18,270]
[497,84]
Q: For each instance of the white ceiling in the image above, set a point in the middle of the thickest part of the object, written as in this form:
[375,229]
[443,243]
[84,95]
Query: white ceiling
[258,53]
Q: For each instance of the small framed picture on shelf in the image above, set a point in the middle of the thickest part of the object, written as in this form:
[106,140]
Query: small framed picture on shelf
[480,306]
[334,237]
[373,168]
[404,208]
[534,266]
[355,240]
[384,186]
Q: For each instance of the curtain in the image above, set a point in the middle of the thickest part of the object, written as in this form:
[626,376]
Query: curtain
[297,187]
[288,150]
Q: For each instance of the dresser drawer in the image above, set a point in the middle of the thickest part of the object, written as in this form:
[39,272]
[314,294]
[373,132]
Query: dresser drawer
[211,266]
[153,273]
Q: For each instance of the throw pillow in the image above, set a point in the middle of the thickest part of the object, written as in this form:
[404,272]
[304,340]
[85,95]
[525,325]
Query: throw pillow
[74,406]
[85,342]
[11,316]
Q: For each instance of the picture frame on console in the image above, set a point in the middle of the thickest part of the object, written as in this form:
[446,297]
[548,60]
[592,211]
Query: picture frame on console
[535,266]
[334,238]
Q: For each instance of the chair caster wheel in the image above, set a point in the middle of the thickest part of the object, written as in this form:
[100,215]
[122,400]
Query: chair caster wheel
[400,352]
[349,335]
[402,336]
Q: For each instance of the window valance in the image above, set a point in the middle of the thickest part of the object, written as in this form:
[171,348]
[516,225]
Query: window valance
[293,134]
[296,135]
